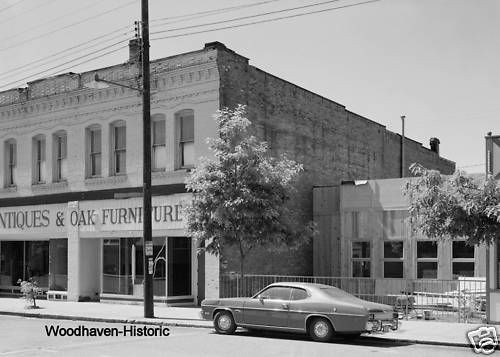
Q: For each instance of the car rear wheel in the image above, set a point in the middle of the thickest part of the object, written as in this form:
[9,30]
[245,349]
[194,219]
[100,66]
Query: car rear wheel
[321,330]
[224,323]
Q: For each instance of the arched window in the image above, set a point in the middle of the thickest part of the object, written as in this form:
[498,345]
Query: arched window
[118,147]
[39,173]
[93,151]
[185,138]
[10,158]
[59,156]
[158,142]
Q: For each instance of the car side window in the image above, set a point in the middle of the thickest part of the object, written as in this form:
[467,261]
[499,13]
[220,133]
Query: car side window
[277,293]
[298,294]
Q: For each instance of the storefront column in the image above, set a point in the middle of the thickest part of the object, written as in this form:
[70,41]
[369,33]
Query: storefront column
[73,254]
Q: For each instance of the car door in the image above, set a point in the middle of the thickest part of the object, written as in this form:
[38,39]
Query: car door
[269,308]
[299,308]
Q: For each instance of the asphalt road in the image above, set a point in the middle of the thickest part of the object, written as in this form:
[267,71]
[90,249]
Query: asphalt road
[28,337]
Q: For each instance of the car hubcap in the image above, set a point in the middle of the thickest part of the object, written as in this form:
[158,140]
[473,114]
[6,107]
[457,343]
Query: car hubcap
[224,322]
[321,329]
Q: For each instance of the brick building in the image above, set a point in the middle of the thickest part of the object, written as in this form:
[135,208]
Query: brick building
[70,211]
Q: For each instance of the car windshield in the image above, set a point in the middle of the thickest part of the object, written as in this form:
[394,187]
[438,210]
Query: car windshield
[337,293]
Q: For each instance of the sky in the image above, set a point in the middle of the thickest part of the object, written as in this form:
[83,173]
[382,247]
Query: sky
[434,61]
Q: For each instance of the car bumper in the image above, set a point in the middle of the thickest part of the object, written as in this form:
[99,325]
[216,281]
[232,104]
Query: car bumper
[206,315]
[382,325]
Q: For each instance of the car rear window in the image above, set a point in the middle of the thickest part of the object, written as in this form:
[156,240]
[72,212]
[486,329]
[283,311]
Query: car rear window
[337,293]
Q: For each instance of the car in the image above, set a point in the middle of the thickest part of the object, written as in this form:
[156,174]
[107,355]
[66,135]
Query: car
[321,311]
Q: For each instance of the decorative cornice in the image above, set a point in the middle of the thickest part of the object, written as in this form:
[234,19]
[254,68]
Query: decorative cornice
[79,98]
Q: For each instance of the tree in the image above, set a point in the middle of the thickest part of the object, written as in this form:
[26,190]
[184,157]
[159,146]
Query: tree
[240,197]
[454,206]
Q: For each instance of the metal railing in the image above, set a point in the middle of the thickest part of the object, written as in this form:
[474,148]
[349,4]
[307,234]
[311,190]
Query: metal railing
[460,300]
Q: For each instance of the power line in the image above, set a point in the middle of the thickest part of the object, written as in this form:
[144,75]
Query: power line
[10,6]
[53,20]
[68,26]
[68,62]
[47,59]
[210,12]
[40,4]
[263,21]
[248,17]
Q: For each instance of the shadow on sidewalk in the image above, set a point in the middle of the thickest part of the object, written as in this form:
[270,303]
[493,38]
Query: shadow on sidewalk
[360,341]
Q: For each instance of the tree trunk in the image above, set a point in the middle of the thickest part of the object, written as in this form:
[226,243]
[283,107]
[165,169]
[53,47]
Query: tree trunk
[242,272]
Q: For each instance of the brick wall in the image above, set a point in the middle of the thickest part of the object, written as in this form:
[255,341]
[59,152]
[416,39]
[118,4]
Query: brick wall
[331,142]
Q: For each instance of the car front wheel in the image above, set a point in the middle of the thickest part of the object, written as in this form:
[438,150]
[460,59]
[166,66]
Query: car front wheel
[321,330]
[224,323]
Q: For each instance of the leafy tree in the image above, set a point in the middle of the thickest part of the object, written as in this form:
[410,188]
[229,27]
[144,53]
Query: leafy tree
[454,206]
[240,197]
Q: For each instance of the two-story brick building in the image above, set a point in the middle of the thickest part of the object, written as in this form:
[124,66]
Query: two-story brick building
[71,161]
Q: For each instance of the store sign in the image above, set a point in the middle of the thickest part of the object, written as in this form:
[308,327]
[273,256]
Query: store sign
[107,215]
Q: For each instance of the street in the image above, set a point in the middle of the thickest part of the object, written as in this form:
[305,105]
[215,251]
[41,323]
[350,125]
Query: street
[27,337]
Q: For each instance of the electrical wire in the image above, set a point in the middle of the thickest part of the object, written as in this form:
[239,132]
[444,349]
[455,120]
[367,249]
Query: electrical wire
[48,59]
[40,4]
[248,17]
[67,26]
[7,85]
[208,13]
[263,21]
[11,5]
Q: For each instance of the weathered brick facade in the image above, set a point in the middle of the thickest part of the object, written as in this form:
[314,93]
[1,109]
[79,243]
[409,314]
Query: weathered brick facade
[333,144]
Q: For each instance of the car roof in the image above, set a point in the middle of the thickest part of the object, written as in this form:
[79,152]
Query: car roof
[296,284]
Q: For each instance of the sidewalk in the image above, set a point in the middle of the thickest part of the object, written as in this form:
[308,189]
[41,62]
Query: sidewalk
[424,332]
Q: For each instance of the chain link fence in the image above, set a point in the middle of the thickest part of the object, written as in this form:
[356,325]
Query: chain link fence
[460,300]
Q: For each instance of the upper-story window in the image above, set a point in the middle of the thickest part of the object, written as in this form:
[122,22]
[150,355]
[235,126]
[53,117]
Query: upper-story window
[10,163]
[93,151]
[119,148]
[185,125]
[158,143]
[39,161]
[60,162]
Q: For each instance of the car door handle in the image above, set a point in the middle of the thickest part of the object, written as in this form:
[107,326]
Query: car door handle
[284,306]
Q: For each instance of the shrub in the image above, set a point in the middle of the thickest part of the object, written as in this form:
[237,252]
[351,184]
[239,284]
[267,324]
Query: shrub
[30,290]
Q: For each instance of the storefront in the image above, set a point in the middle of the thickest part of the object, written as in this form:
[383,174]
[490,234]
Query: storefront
[93,250]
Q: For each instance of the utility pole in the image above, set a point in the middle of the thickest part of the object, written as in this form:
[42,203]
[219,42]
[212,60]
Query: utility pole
[147,238]
[403,145]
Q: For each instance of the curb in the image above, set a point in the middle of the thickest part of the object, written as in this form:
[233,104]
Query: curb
[103,319]
[187,324]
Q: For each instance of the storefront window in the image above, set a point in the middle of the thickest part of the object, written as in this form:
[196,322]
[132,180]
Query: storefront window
[58,264]
[24,260]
